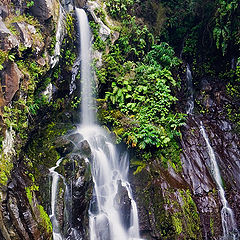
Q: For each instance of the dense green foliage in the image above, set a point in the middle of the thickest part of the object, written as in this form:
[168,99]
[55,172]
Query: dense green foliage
[203,33]
[139,65]
[233,90]
[119,8]
[137,73]
[199,31]
[226,27]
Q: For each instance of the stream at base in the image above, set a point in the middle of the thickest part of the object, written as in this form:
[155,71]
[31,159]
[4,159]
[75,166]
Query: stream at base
[110,217]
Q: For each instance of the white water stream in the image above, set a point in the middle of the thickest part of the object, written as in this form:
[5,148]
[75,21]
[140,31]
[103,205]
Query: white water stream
[190,101]
[87,102]
[55,177]
[109,168]
[228,222]
[59,36]
[8,143]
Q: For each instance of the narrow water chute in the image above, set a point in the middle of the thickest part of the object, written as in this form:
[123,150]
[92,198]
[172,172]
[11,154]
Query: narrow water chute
[190,97]
[228,221]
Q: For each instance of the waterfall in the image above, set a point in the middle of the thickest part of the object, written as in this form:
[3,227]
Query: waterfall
[109,168]
[55,177]
[109,172]
[87,103]
[228,221]
[8,143]
[190,101]
[59,37]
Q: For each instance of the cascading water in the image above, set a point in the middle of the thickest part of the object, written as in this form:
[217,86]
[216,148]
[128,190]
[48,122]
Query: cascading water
[59,37]
[55,177]
[8,143]
[109,168]
[190,101]
[228,222]
[87,103]
[58,233]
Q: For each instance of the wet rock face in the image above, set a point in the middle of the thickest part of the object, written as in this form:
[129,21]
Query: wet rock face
[161,194]
[18,218]
[84,148]
[166,209]
[73,201]
[195,162]
[223,139]
[82,188]
[124,203]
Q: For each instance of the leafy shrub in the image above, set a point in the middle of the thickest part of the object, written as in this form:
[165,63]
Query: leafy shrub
[225,21]
[119,8]
[148,97]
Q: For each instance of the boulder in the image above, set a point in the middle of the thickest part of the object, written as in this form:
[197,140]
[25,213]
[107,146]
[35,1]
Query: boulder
[25,32]
[80,3]
[75,137]
[28,36]
[3,12]
[64,146]
[10,81]
[104,31]
[45,9]
[84,147]
[7,39]
[41,61]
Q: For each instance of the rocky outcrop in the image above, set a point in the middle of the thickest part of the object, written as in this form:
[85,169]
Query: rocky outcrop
[23,61]
[166,208]
[45,9]
[196,172]
[21,218]
[7,39]
[10,81]
[64,146]
[73,205]
[104,31]
[28,36]
[3,12]
[80,3]
[166,198]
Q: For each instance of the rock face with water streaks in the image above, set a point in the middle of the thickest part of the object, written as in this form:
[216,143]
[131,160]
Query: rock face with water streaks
[160,196]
